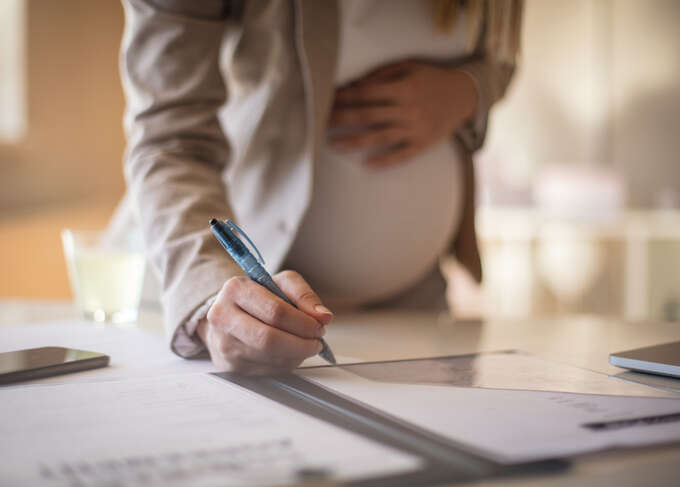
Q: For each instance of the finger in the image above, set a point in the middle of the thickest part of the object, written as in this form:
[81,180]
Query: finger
[269,343]
[364,115]
[263,305]
[297,289]
[374,137]
[366,93]
[386,73]
[383,86]
[400,153]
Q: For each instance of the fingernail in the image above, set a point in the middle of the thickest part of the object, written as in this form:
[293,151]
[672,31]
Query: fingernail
[320,308]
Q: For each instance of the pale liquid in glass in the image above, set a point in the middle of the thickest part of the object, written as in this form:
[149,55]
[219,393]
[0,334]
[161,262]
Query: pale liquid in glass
[108,284]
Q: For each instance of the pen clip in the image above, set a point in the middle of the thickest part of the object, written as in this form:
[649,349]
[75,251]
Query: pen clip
[235,228]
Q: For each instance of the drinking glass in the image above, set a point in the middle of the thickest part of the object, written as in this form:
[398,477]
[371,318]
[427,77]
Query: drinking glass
[106,277]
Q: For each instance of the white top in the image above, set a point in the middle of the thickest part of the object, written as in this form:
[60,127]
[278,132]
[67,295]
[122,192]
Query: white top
[370,233]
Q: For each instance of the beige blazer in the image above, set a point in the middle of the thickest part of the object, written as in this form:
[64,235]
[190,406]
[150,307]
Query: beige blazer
[227,104]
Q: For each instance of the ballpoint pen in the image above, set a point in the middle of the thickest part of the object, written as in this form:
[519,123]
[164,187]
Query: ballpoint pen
[228,235]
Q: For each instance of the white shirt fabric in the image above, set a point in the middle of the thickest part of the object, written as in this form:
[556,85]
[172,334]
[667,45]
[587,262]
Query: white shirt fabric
[371,233]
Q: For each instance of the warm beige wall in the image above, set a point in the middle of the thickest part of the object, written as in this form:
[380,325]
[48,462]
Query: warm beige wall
[646,98]
[32,263]
[66,171]
[553,108]
[73,146]
[597,84]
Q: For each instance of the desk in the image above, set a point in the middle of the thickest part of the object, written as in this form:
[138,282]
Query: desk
[580,341]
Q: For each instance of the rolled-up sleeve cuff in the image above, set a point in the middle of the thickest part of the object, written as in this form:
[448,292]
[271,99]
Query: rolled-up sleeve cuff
[473,132]
[185,342]
[187,299]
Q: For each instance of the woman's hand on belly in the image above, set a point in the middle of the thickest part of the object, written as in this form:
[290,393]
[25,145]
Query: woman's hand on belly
[250,330]
[400,110]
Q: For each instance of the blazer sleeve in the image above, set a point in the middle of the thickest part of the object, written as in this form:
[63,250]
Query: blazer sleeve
[177,151]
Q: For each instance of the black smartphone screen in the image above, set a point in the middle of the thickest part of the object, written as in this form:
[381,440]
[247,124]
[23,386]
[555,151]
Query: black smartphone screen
[47,361]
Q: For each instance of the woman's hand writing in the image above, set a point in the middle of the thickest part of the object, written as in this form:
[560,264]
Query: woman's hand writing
[250,330]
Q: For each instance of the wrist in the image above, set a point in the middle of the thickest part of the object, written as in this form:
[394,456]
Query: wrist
[201,330]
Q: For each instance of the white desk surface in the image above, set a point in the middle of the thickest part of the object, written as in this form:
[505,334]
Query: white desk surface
[581,341]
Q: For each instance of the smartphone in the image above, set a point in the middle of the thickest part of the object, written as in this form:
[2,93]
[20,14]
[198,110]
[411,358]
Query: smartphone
[34,363]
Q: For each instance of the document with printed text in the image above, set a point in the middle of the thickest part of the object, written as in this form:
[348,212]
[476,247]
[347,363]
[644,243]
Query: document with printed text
[191,429]
[525,421]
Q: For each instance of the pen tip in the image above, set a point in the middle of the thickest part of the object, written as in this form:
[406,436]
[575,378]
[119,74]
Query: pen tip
[213,221]
[326,353]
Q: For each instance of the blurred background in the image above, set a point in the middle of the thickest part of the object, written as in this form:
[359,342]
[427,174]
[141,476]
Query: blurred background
[579,181]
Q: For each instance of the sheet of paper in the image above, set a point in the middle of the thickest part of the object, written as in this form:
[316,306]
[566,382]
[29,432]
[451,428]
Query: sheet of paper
[501,370]
[134,353]
[194,430]
[512,426]
[317,361]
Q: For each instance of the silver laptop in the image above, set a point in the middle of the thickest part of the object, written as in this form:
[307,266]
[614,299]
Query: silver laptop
[661,359]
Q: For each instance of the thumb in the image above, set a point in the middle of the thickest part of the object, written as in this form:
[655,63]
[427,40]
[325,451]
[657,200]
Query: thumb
[304,297]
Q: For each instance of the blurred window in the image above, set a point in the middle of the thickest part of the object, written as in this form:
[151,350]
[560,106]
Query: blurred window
[12,70]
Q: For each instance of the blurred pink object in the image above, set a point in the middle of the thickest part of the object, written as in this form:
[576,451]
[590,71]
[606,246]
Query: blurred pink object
[579,192]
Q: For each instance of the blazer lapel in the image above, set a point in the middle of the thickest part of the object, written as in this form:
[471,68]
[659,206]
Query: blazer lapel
[319,24]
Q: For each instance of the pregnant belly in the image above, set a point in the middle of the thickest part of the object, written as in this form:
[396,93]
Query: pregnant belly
[370,233]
